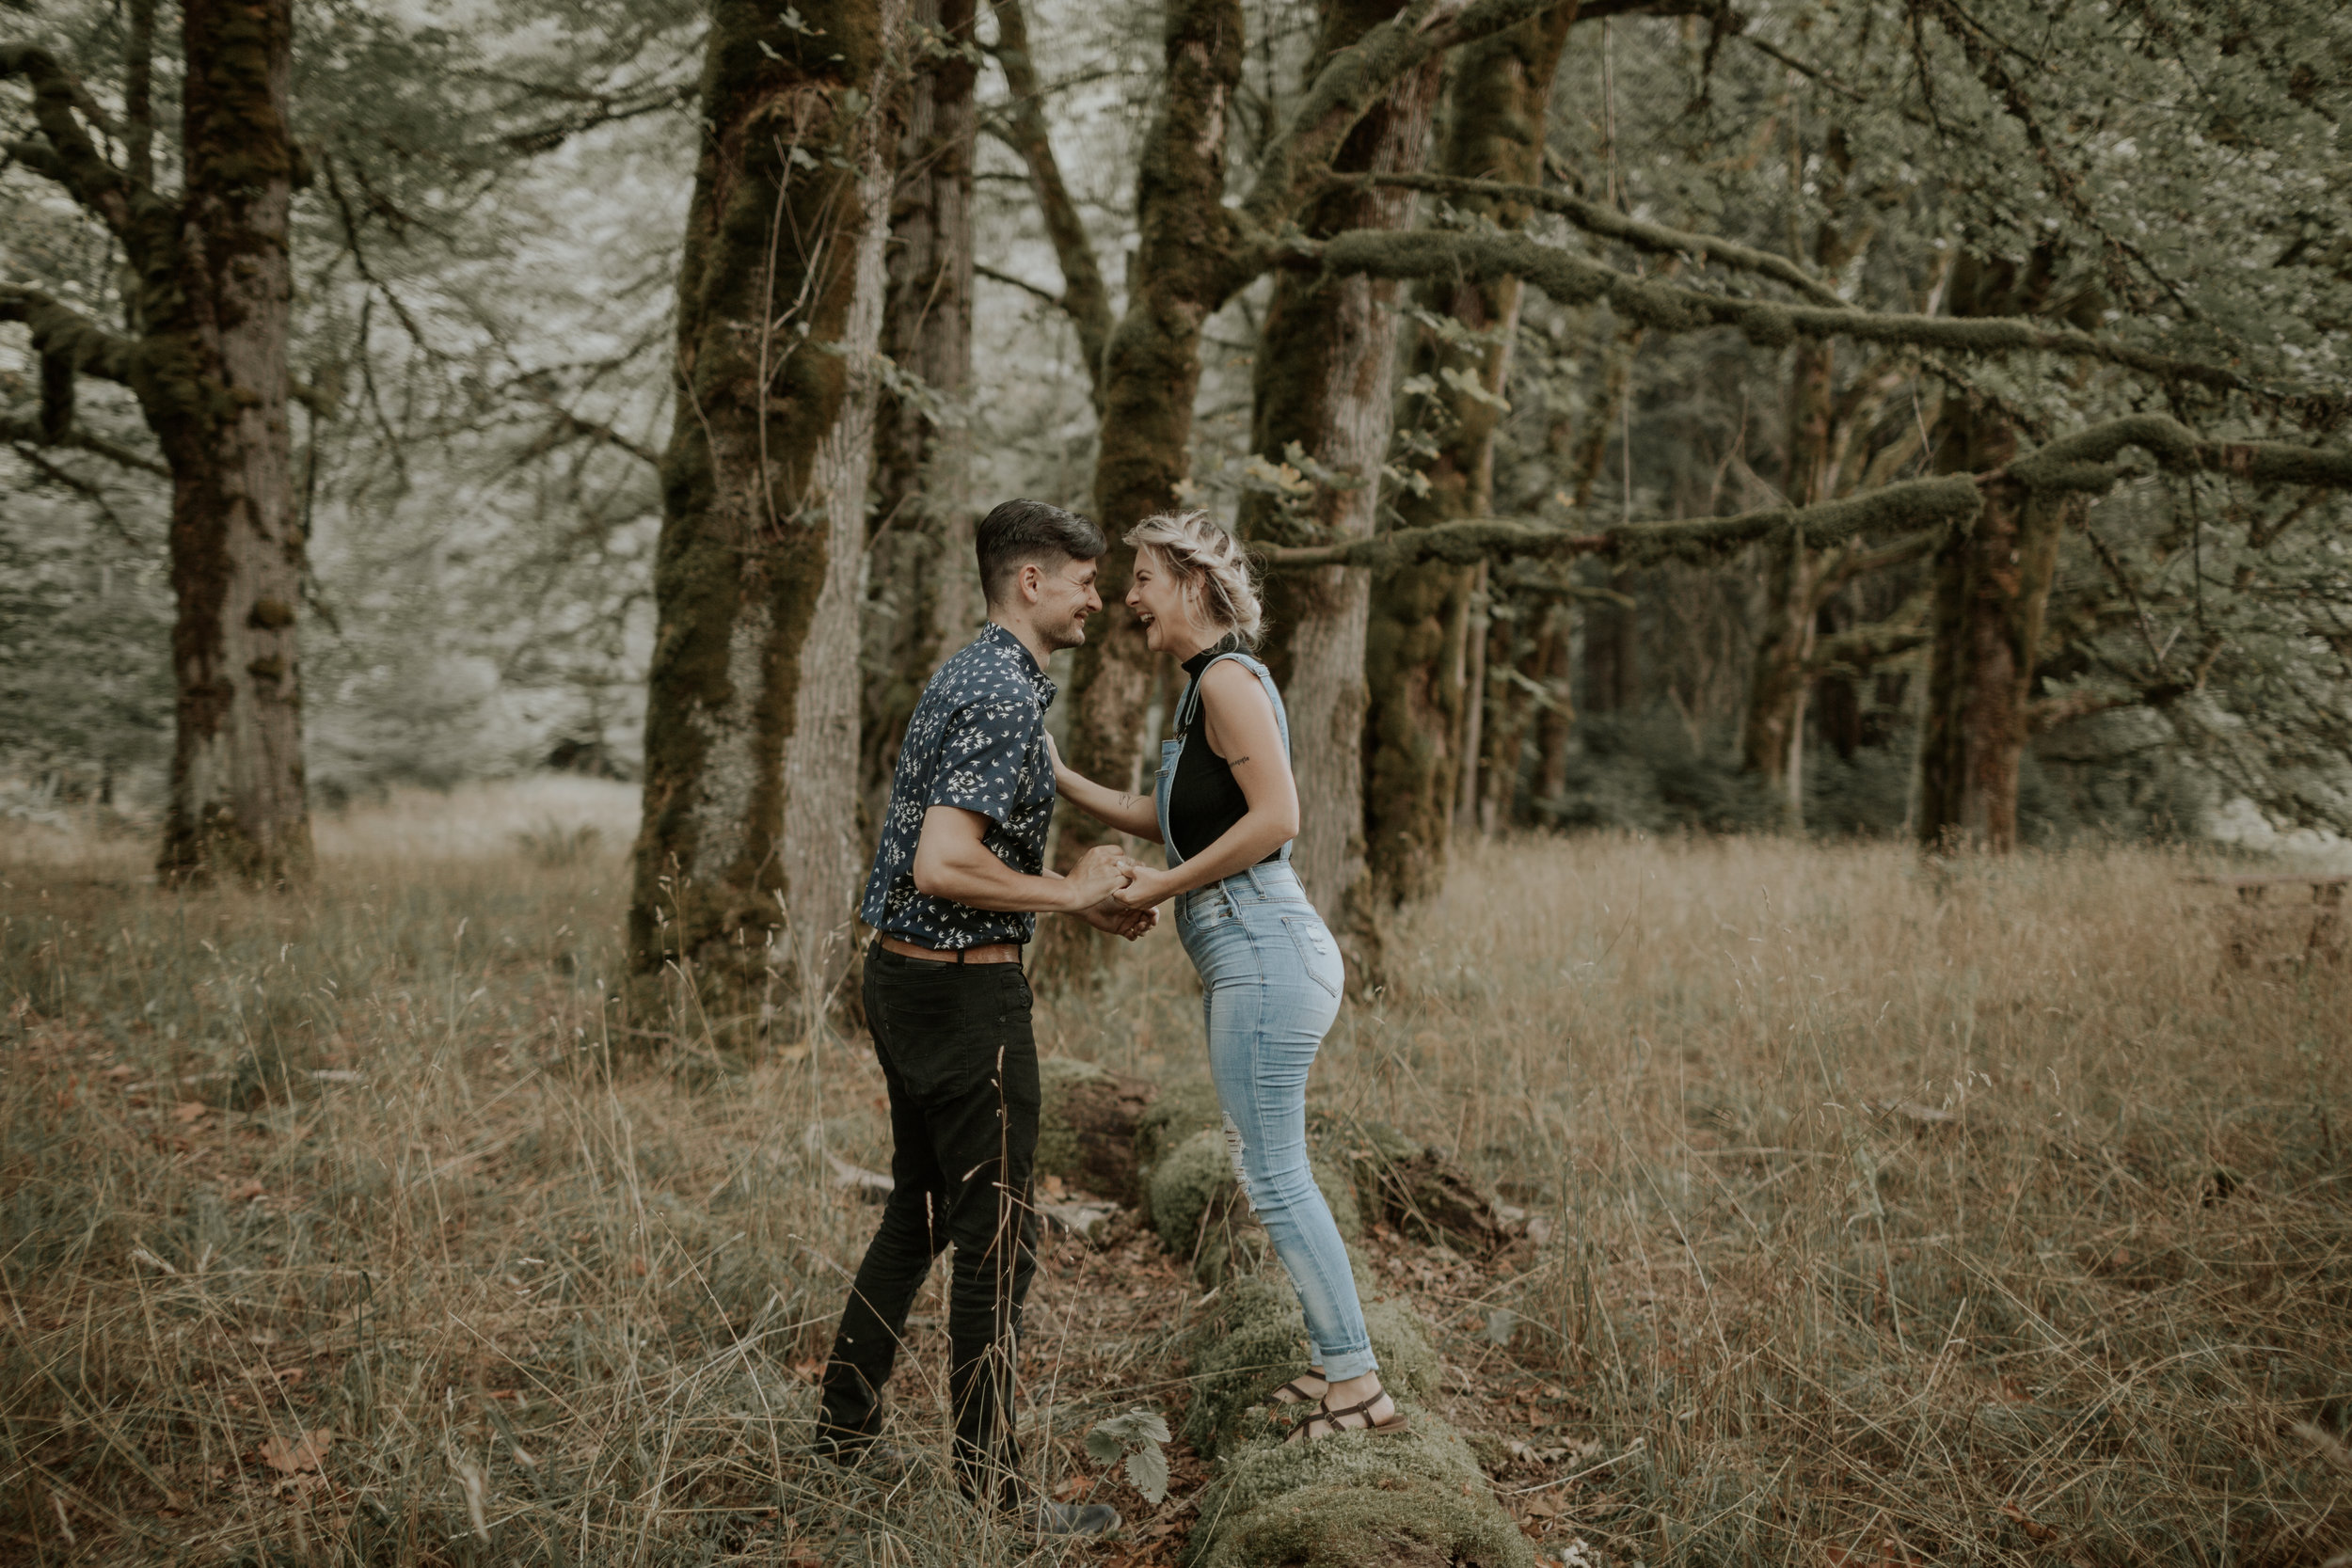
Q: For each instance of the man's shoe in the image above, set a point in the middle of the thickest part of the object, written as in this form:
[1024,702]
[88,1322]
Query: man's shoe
[1051,1518]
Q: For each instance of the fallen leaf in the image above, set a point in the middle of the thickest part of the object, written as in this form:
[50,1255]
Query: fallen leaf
[245,1192]
[287,1455]
[2034,1529]
[189,1109]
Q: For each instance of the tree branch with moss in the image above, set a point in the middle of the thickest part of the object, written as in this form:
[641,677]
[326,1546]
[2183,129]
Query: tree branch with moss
[1579,280]
[65,154]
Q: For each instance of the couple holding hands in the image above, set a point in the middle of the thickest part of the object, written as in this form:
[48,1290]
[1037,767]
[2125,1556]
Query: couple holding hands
[958,882]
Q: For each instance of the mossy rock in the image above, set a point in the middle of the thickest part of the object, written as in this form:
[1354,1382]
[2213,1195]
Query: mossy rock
[1195,1202]
[1087,1126]
[1411,1499]
[1180,1110]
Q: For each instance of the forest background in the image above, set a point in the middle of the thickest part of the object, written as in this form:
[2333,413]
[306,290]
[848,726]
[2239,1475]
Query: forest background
[484,344]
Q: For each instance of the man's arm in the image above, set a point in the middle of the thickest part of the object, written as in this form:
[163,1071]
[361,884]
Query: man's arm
[951,862]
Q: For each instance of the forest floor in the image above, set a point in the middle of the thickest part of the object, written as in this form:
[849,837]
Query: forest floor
[1882,1211]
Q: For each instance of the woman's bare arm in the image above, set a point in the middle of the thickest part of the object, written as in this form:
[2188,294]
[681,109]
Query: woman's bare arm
[1137,814]
[1238,724]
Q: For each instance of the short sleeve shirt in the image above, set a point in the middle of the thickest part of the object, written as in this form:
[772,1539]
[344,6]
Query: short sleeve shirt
[977,740]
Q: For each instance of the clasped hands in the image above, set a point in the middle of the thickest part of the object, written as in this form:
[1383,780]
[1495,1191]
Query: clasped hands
[1115,893]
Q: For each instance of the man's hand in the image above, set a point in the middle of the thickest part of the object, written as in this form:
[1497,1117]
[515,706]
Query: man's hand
[1102,872]
[1119,920]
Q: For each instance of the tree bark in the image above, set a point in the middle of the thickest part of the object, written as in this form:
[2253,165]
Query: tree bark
[749,814]
[1323,380]
[1991,590]
[212,381]
[1151,369]
[1991,586]
[922,594]
[1413,735]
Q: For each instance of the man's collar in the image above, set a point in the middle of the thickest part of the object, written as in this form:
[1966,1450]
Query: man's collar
[1003,637]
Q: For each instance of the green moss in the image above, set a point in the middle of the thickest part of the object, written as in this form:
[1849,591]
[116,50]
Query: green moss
[1191,1189]
[1413,1499]
[1057,1152]
[1182,1109]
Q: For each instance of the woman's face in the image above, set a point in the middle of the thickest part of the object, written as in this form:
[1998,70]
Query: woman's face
[1160,602]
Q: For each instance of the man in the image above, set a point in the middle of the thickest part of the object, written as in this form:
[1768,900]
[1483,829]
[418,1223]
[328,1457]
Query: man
[958,879]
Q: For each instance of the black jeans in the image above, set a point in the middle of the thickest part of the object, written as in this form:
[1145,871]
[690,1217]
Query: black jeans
[960,1062]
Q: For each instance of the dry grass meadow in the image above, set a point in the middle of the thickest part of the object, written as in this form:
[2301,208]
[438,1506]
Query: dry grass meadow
[1882,1213]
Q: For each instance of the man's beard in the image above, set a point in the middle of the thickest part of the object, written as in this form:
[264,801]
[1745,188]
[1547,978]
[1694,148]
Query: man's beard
[1070,634]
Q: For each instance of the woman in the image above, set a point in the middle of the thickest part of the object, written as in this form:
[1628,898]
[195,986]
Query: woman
[1226,808]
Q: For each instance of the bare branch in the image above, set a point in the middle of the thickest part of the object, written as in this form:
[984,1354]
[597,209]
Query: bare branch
[138,108]
[1048,295]
[1083,298]
[570,426]
[27,432]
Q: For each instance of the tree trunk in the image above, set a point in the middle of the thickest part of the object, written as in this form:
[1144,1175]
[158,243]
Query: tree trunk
[212,381]
[923,598]
[1556,723]
[1151,371]
[751,781]
[1992,589]
[1413,669]
[1324,373]
[1771,734]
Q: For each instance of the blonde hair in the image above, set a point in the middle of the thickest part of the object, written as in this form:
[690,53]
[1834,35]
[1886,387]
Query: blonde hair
[1209,565]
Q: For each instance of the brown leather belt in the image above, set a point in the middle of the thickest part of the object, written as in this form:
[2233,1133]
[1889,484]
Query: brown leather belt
[989,953]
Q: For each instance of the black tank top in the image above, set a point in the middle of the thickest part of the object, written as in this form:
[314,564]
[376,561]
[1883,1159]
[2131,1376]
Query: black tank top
[1205,799]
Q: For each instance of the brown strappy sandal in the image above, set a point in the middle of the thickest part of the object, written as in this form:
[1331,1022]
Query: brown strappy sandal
[1323,1414]
[1291,1393]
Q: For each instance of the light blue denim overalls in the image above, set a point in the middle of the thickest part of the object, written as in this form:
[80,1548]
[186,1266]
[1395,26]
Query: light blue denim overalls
[1270,980]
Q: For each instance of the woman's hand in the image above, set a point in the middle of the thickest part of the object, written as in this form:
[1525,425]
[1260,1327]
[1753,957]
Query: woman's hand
[1146,889]
[1062,775]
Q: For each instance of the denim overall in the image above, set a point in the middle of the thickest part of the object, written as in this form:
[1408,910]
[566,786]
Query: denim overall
[1270,983]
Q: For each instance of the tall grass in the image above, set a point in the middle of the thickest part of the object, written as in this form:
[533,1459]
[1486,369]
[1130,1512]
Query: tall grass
[1889,1211]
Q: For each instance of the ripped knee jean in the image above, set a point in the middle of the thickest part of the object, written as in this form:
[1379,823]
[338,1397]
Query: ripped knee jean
[1270,982]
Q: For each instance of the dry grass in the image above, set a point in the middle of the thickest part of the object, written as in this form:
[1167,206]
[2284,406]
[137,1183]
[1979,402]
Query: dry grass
[349,1163]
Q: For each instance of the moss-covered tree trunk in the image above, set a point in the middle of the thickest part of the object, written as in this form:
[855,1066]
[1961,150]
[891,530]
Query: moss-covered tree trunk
[1992,589]
[1323,379]
[750,733]
[1992,593]
[1151,369]
[213,379]
[205,354]
[923,593]
[1414,652]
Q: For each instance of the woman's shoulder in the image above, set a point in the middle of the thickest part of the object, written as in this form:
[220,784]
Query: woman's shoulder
[1233,678]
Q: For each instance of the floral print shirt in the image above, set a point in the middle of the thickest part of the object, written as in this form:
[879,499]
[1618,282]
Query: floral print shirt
[977,740]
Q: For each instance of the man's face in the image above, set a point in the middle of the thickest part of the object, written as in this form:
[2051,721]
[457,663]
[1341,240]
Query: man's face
[1065,596]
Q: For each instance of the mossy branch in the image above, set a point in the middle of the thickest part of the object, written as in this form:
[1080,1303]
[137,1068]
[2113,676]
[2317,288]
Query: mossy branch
[1083,298]
[73,160]
[1920,506]
[1343,91]
[2085,461]
[1574,280]
[1597,219]
[63,334]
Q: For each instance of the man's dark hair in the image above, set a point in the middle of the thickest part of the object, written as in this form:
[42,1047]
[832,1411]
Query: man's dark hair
[1021,532]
